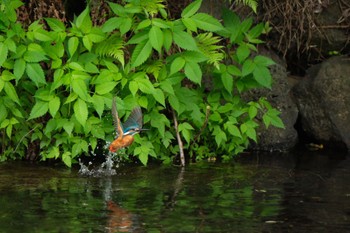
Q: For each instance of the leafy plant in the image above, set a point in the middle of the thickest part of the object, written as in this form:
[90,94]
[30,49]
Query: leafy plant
[57,82]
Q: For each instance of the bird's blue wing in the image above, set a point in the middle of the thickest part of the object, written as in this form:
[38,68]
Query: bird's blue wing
[134,120]
[116,121]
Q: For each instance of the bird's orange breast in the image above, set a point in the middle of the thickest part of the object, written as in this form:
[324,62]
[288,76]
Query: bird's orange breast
[121,142]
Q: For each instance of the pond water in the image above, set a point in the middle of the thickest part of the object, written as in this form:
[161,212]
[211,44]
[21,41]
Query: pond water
[295,192]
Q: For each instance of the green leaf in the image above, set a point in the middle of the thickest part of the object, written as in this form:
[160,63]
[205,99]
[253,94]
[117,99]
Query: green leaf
[35,73]
[193,72]
[79,87]
[80,111]
[39,109]
[54,105]
[190,24]
[141,53]
[185,129]
[185,40]
[263,76]
[167,87]
[168,39]
[67,159]
[68,126]
[125,25]
[227,81]
[11,92]
[248,67]
[55,24]
[242,52]
[252,111]
[98,102]
[3,53]
[87,43]
[207,22]
[83,21]
[133,87]
[42,35]
[19,68]
[191,9]
[251,133]
[263,61]
[104,88]
[159,96]
[177,65]
[233,130]
[111,24]
[156,38]
[145,86]
[34,56]
[73,43]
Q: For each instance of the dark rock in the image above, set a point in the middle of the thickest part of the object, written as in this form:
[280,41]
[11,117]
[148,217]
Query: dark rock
[323,100]
[273,138]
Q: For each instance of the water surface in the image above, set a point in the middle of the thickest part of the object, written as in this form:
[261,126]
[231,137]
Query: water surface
[292,192]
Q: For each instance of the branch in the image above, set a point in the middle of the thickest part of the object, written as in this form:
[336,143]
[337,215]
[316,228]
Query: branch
[179,141]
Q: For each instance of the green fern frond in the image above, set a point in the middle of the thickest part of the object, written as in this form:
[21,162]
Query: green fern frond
[250,3]
[208,45]
[112,47]
[154,68]
[152,7]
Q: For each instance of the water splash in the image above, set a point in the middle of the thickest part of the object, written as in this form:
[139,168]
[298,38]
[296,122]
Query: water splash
[107,168]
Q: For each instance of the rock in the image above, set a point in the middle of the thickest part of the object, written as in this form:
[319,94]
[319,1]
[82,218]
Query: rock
[323,100]
[273,138]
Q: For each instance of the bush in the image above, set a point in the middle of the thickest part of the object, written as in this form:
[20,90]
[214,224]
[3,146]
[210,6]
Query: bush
[57,82]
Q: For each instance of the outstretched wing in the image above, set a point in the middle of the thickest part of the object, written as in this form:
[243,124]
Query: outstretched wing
[116,121]
[134,120]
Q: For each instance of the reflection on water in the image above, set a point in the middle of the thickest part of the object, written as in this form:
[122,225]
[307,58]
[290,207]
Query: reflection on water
[256,193]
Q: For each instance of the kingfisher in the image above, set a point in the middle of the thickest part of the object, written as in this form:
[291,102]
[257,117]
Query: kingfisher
[125,132]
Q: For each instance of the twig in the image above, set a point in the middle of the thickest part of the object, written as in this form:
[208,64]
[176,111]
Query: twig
[24,137]
[205,123]
[179,141]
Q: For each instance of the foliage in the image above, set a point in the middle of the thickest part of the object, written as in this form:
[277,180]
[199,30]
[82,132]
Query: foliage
[57,82]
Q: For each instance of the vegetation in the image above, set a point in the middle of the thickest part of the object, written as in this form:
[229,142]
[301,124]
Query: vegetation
[57,82]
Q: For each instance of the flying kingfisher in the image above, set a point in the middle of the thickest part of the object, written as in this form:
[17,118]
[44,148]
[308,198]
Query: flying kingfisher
[125,132]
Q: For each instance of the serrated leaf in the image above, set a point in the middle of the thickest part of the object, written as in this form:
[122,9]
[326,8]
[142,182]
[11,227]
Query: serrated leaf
[141,53]
[233,130]
[191,9]
[55,24]
[227,81]
[19,68]
[68,126]
[87,42]
[133,87]
[167,87]
[35,73]
[156,38]
[42,35]
[207,22]
[111,24]
[80,111]
[263,76]
[3,53]
[168,39]
[98,102]
[39,109]
[248,67]
[193,72]
[190,24]
[83,21]
[54,105]
[252,111]
[67,159]
[125,25]
[177,65]
[11,92]
[185,40]
[73,43]
[263,61]
[242,53]
[159,96]
[34,56]
[104,88]
[79,87]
